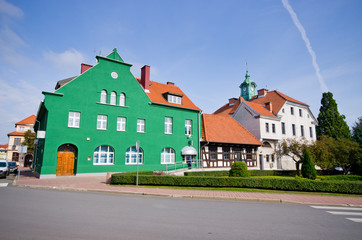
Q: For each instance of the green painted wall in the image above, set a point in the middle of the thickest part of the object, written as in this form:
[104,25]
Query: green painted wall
[83,95]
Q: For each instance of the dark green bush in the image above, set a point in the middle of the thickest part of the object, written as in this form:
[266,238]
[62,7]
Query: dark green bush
[297,184]
[238,169]
[342,178]
[308,169]
[207,174]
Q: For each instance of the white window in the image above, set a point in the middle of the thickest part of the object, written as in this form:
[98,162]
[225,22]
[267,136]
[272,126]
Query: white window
[121,124]
[292,110]
[103,155]
[300,113]
[103,96]
[267,127]
[174,99]
[293,129]
[188,127]
[311,132]
[167,156]
[122,99]
[140,125]
[273,127]
[131,155]
[74,119]
[168,125]
[21,129]
[102,122]
[302,130]
[113,98]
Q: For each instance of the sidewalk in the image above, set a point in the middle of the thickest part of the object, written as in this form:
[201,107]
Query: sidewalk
[98,184]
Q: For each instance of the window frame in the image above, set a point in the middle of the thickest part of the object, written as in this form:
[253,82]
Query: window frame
[103,96]
[188,127]
[122,99]
[311,132]
[131,154]
[171,155]
[300,113]
[273,127]
[73,119]
[267,127]
[109,155]
[121,123]
[168,125]
[101,122]
[17,141]
[292,110]
[283,127]
[294,130]
[141,125]
[302,130]
[113,100]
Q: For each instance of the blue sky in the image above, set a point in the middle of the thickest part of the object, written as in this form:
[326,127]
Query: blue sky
[202,46]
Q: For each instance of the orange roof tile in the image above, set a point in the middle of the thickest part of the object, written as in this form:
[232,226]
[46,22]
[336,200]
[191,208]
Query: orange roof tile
[28,120]
[157,91]
[5,146]
[222,129]
[15,133]
[227,108]
[277,99]
[260,109]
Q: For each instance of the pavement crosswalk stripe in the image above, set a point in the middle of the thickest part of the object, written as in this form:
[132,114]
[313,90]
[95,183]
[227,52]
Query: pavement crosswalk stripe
[355,219]
[345,213]
[4,184]
[337,208]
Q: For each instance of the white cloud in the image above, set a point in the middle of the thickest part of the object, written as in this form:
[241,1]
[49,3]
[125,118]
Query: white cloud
[301,29]
[67,62]
[10,10]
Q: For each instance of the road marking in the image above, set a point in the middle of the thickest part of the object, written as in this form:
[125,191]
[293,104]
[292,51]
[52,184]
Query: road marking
[345,213]
[4,184]
[337,208]
[355,219]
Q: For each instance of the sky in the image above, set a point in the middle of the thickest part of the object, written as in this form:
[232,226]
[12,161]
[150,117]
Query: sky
[300,48]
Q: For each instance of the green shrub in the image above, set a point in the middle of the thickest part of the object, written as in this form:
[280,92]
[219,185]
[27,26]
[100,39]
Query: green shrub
[207,174]
[342,178]
[308,169]
[238,169]
[297,184]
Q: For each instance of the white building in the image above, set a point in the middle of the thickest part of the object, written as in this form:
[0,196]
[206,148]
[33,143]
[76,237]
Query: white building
[271,117]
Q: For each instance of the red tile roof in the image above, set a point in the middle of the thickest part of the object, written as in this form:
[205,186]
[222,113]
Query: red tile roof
[277,99]
[28,120]
[5,146]
[217,128]
[226,110]
[157,91]
[16,133]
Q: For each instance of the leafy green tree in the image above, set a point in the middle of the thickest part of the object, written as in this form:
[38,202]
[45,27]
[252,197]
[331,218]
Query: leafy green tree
[330,122]
[294,149]
[308,168]
[342,152]
[29,138]
[357,131]
[238,169]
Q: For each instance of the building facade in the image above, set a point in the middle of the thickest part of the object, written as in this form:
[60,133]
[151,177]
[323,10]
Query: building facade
[90,124]
[271,117]
[17,137]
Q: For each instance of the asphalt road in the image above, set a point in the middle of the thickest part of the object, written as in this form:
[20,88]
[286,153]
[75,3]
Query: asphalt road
[52,214]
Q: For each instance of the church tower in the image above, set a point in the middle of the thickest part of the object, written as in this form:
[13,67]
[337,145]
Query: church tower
[248,88]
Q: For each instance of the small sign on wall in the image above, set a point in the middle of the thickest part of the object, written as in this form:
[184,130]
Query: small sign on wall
[22,149]
[40,134]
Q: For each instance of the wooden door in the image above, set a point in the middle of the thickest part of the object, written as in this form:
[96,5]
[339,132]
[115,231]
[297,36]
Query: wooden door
[65,165]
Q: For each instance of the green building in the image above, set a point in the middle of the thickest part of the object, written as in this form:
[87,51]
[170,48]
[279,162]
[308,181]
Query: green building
[90,124]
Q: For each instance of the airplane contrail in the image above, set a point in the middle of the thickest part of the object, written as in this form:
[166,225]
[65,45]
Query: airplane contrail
[301,29]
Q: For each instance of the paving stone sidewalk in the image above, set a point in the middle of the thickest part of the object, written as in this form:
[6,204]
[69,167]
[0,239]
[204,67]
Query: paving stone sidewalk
[98,184]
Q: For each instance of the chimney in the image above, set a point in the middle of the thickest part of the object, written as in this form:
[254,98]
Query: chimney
[232,101]
[269,106]
[171,83]
[262,92]
[84,67]
[145,77]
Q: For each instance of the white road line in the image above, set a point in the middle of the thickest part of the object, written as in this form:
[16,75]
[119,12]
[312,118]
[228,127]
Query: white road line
[355,219]
[337,208]
[346,213]
[4,184]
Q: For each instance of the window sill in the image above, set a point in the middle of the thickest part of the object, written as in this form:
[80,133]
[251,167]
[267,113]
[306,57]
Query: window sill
[134,164]
[102,164]
[101,129]
[107,104]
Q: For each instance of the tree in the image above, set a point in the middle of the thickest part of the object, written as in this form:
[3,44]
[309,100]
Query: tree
[29,138]
[238,169]
[308,169]
[294,149]
[330,122]
[357,131]
[342,152]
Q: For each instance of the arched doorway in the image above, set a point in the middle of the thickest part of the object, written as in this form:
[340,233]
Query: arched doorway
[66,159]
[28,160]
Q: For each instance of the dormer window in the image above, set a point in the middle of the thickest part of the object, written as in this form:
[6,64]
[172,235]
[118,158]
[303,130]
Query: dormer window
[174,98]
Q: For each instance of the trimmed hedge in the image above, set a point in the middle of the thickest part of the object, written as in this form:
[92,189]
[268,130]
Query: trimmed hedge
[289,173]
[261,183]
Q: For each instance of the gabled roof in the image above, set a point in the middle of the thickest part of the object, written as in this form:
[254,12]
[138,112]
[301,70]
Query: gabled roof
[63,82]
[157,95]
[216,128]
[277,99]
[28,120]
[228,109]
[15,133]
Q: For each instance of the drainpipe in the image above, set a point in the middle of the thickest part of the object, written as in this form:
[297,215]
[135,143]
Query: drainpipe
[36,152]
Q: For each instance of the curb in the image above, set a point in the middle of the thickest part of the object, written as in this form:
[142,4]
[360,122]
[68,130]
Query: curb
[261,200]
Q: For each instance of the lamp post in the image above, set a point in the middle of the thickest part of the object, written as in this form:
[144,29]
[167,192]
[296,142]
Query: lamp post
[137,148]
